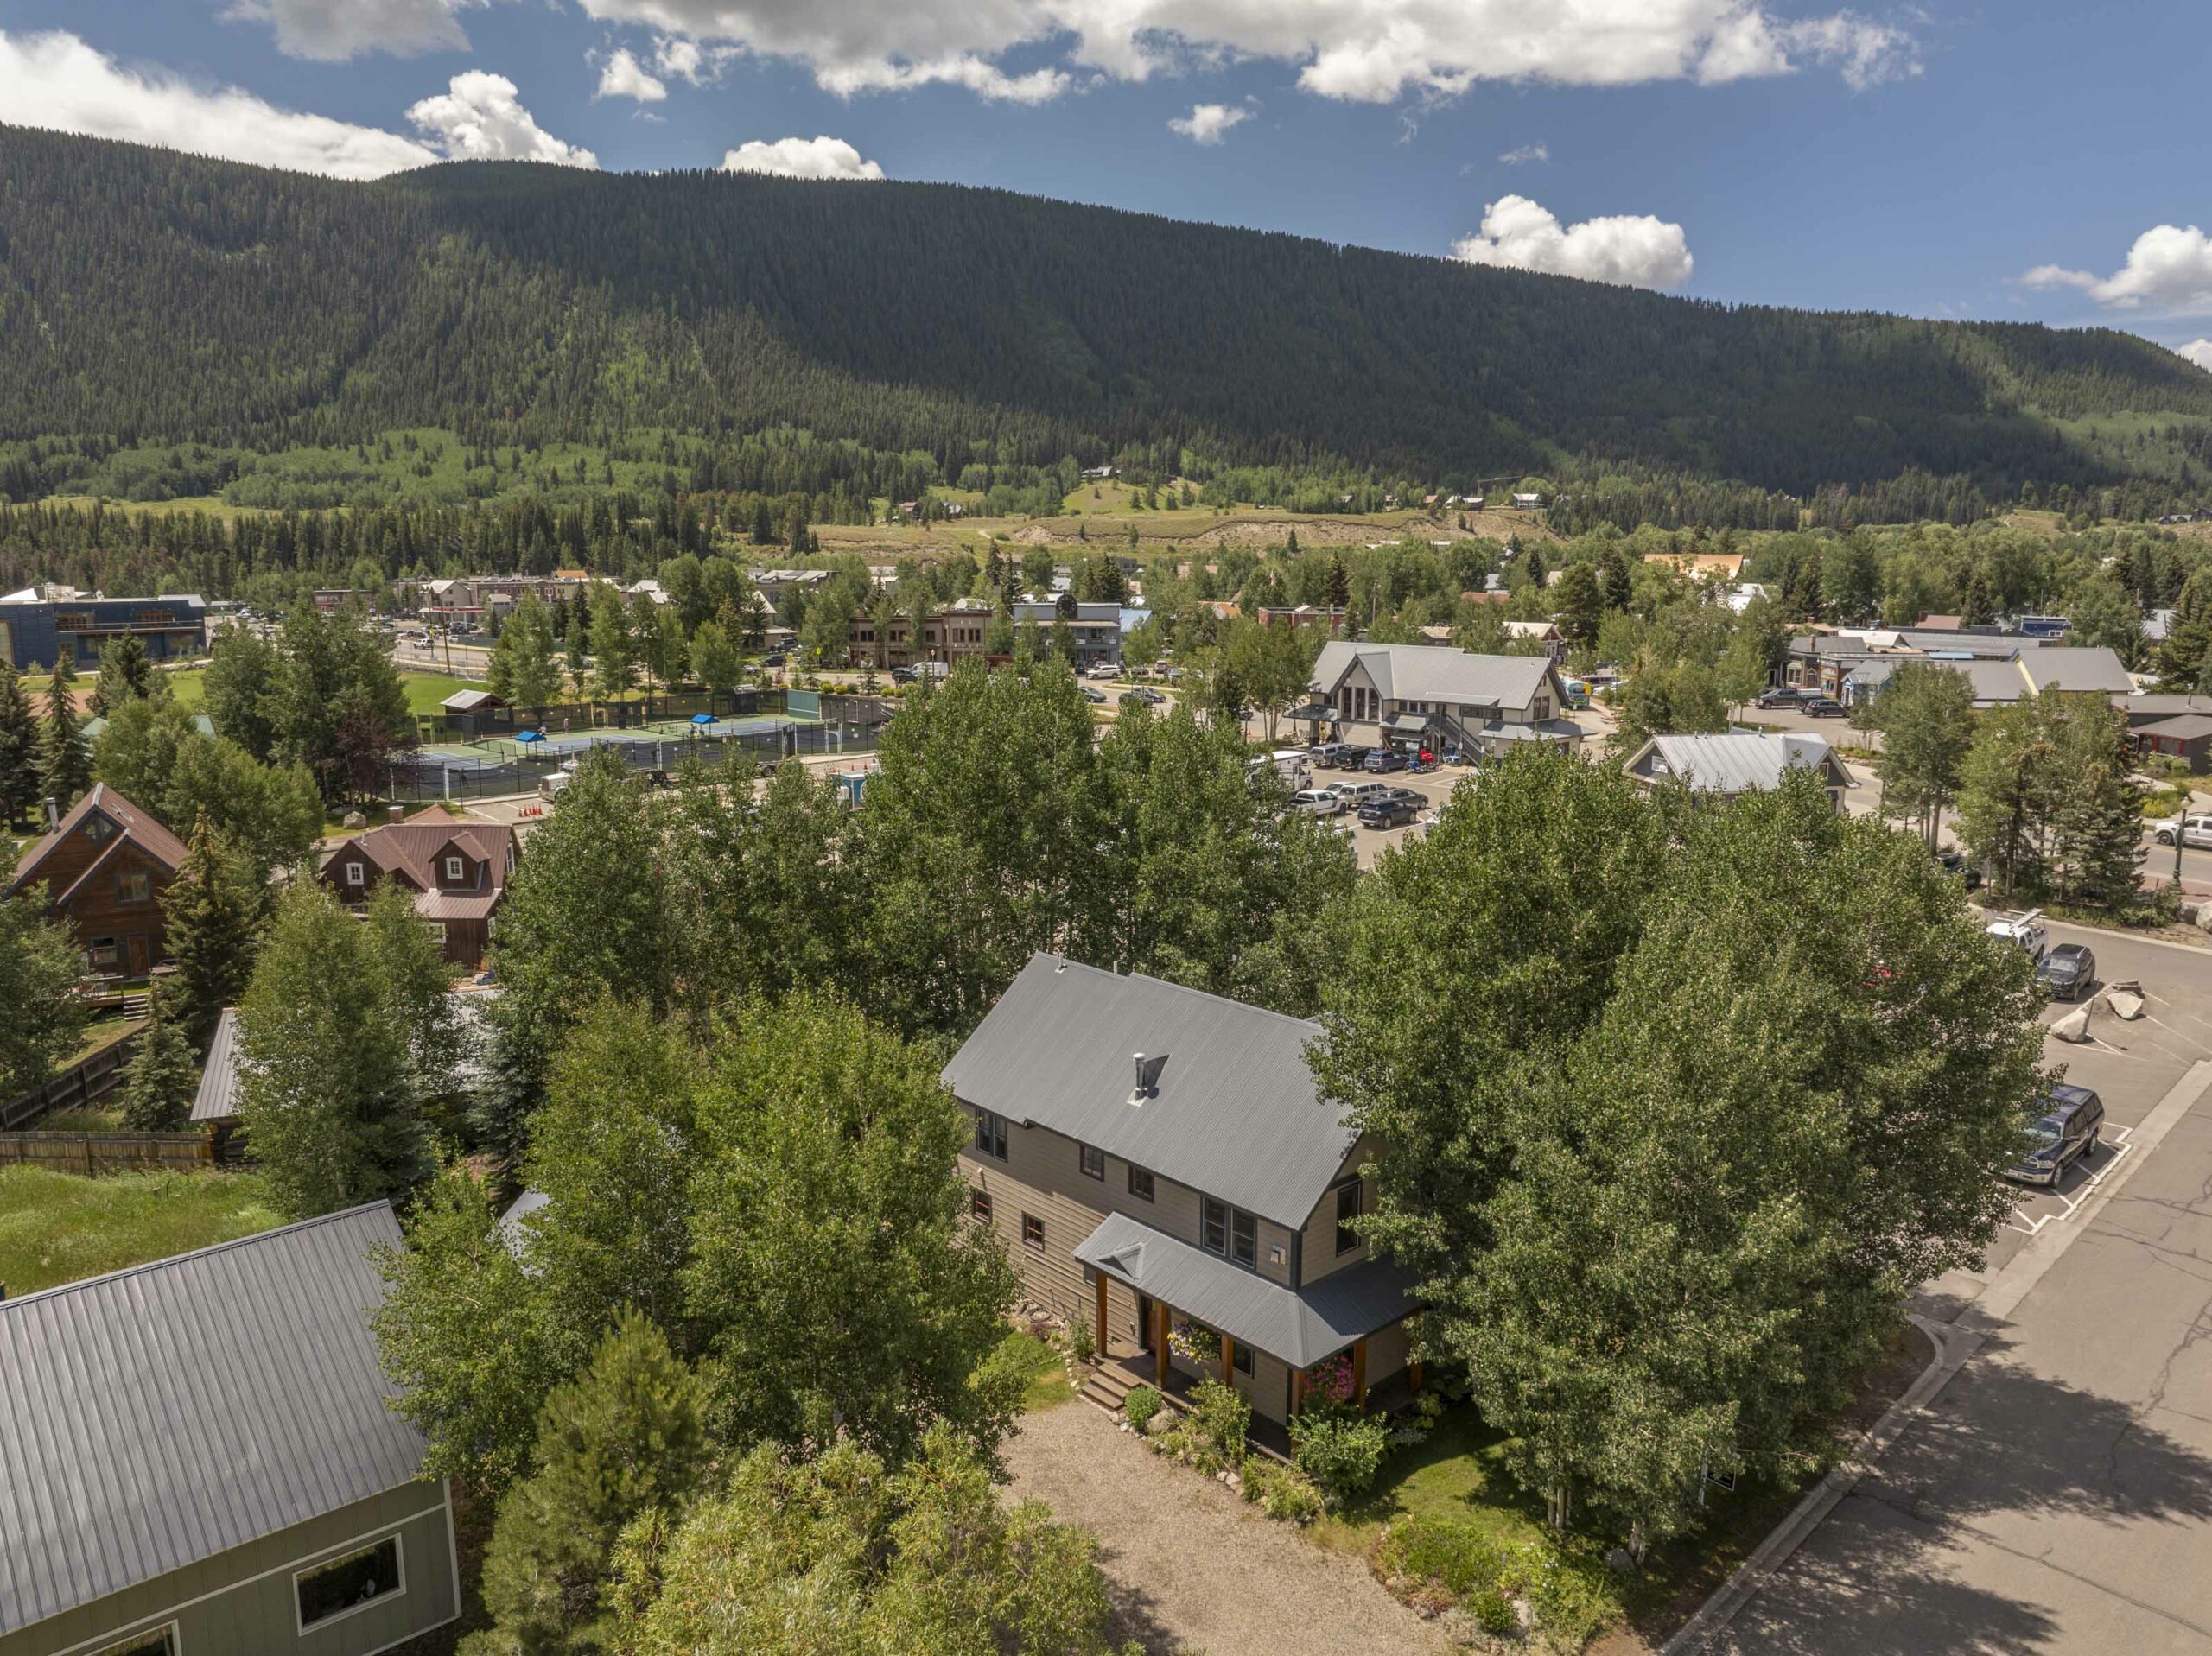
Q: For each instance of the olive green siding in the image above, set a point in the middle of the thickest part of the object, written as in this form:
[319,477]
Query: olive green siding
[241,1602]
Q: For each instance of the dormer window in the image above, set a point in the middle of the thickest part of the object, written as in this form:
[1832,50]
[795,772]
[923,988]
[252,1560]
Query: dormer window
[356,875]
[455,871]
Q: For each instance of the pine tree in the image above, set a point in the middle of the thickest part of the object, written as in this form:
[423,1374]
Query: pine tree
[163,1074]
[624,1439]
[65,758]
[212,912]
[19,747]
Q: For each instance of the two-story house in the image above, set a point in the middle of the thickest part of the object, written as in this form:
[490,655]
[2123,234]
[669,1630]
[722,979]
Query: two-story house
[1376,693]
[457,869]
[1161,1164]
[105,865]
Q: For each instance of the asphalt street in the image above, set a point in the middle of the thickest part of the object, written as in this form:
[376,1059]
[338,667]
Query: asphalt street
[2056,1495]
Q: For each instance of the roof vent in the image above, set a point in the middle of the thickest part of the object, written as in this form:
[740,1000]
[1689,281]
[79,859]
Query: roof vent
[1148,1077]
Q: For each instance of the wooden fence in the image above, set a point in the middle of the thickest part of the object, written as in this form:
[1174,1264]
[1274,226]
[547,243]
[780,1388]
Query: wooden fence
[77,1087]
[103,1153]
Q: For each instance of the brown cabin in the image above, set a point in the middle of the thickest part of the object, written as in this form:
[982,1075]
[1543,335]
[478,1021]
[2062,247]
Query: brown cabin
[457,869]
[105,865]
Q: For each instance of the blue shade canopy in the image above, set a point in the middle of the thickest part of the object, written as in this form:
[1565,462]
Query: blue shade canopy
[529,736]
[704,719]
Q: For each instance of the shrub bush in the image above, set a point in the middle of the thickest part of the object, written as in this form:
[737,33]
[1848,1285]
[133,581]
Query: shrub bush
[1221,1417]
[1456,1555]
[1082,1344]
[1493,1612]
[1340,1452]
[1289,1495]
[1142,1404]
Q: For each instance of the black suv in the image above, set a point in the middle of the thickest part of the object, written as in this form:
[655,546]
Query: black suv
[2068,972]
[2061,1130]
[1393,809]
[1821,707]
[1783,697]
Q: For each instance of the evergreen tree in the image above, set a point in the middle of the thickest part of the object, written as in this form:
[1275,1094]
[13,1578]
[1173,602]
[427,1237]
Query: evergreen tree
[611,645]
[163,1075]
[1613,573]
[212,912]
[623,1439]
[20,765]
[125,674]
[64,757]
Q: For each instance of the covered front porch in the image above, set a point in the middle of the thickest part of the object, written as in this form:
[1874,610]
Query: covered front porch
[1197,1317]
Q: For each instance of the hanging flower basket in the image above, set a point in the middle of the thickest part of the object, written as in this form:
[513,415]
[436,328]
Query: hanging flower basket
[1194,1342]
[1330,1381]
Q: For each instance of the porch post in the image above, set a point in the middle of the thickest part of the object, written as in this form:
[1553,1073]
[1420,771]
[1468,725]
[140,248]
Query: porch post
[1359,1372]
[1228,1360]
[1297,1390]
[1414,1377]
[1160,1343]
[1101,1316]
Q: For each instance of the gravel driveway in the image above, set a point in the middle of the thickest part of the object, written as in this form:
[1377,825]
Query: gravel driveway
[1191,1566]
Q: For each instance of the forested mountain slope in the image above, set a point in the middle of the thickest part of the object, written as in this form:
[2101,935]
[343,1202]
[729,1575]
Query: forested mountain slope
[152,298]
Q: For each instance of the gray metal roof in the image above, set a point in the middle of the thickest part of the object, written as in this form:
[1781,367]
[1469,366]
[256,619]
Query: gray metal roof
[2068,667]
[1734,762]
[1235,1111]
[164,1414]
[1301,1326]
[1434,673]
[217,1098]
[2182,727]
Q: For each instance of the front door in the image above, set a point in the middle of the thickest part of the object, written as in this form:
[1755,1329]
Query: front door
[139,962]
[1144,1321]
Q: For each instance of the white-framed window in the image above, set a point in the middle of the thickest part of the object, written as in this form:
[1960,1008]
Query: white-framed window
[353,1581]
[456,870]
[148,1641]
[356,875]
[103,951]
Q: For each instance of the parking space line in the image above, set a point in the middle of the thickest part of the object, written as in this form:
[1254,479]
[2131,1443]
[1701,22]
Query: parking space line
[2121,1145]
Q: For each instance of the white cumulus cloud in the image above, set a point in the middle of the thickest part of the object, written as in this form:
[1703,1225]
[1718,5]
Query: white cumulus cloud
[687,59]
[1632,252]
[1365,50]
[55,80]
[331,31]
[479,117]
[1526,154]
[2170,268]
[822,157]
[623,76]
[1206,123]
[2198,351]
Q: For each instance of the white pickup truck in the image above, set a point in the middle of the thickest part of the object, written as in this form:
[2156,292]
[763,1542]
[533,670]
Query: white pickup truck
[2024,929]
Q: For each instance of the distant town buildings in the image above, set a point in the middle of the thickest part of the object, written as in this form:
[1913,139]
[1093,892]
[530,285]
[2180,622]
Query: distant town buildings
[38,623]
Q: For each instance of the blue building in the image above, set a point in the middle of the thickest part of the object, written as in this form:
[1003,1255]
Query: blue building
[33,630]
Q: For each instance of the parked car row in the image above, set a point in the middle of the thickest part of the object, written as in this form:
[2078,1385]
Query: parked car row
[1807,702]
[1375,804]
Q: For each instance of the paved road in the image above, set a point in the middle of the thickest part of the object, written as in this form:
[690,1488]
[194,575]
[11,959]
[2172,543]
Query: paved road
[2056,1494]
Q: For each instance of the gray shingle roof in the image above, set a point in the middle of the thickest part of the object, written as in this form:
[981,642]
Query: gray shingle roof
[1300,1327]
[164,1414]
[218,1097]
[1236,1112]
[1434,673]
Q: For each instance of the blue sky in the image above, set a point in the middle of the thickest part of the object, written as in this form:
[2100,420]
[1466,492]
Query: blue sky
[2013,161]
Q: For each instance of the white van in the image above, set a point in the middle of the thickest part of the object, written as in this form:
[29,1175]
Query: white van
[1356,794]
[1319,801]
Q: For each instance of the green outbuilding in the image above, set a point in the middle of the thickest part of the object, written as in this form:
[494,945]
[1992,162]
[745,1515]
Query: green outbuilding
[197,1458]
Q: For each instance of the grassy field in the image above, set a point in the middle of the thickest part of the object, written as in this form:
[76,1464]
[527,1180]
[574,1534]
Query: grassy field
[100,1034]
[1042,1366]
[426,692]
[58,1227]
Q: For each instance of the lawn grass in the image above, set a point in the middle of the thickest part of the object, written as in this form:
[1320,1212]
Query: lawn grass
[95,1119]
[100,1034]
[1041,1365]
[189,687]
[1459,1473]
[426,692]
[58,1227]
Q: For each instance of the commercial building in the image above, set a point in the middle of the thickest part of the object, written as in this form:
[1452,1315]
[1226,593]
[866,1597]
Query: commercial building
[35,630]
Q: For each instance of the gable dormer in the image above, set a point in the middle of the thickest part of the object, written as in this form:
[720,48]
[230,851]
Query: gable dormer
[454,868]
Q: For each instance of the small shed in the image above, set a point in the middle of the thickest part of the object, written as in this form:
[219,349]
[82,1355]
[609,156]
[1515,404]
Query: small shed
[468,708]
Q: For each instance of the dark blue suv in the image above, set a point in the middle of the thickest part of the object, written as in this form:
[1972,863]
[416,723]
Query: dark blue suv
[2063,1127]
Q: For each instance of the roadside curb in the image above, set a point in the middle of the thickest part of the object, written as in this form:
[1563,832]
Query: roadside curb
[1955,1344]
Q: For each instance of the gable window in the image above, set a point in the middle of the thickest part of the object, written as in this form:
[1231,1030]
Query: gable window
[990,1134]
[99,830]
[979,1205]
[1093,1162]
[349,1582]
[1141,1184]
[1348,1209]
[133,888]
[455,869]
[356,875]
[1244,1238]
[155,1641]
[1033,1232]
[1543,709]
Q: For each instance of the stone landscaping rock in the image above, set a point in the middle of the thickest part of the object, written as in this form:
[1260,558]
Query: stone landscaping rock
[354,820]
[2073,1027]
[2125,1003]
